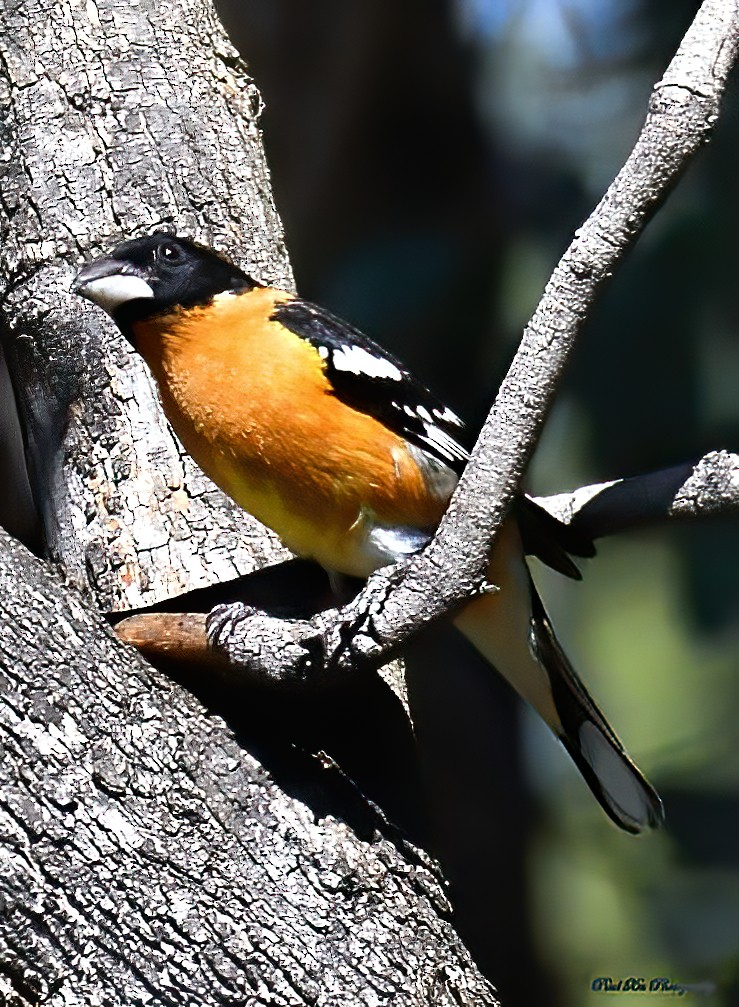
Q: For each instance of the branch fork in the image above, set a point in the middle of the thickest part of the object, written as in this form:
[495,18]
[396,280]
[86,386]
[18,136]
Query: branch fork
[393,606]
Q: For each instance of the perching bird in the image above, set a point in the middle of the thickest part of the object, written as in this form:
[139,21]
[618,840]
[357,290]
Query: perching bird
[328,440]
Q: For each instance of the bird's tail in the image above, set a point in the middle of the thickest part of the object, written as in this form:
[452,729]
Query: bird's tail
[512,630]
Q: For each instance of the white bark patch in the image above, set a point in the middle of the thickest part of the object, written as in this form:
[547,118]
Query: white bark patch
[121,827]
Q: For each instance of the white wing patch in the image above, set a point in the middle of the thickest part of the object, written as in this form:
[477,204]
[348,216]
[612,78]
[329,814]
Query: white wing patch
[357,360]
[435,436]
[447,416]
[444,443]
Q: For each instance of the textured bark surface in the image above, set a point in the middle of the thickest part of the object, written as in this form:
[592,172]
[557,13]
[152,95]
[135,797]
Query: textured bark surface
[117,118]
[147,859]
[145,856]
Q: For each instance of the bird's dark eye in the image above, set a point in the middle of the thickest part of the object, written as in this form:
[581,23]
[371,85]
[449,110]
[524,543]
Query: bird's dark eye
[171,254]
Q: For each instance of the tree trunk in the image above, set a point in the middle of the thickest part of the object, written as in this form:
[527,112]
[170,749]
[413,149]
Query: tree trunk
[119,119]
[146,856]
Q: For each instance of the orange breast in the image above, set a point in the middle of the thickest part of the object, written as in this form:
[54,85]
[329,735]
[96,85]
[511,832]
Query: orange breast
[250,402]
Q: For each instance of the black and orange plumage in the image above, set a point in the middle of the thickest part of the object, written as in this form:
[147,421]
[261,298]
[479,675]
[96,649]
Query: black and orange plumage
[330,441]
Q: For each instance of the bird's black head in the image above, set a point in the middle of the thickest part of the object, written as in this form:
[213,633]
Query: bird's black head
[154,274]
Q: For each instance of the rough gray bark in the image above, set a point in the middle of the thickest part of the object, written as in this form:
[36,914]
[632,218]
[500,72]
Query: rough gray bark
[147,859]
[396,603]
[117,118]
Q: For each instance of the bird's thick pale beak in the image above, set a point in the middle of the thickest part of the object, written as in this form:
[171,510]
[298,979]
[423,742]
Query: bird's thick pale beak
[109,283]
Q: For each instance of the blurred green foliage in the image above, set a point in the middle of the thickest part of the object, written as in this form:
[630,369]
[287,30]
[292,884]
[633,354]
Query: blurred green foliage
[656,625]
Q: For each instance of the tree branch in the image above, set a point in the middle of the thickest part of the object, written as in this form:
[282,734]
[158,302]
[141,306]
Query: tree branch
[396,603]
[706,488]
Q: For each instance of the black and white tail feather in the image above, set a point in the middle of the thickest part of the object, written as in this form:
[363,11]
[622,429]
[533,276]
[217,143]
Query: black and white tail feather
[621,790]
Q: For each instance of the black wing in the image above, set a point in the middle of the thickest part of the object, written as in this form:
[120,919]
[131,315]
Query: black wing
[370,379]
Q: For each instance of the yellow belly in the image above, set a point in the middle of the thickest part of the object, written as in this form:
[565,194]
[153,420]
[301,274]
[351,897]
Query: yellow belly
[326,529]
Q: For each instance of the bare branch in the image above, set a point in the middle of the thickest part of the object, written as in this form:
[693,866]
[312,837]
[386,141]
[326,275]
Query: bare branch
[683,110]
[315,650]
[706,488]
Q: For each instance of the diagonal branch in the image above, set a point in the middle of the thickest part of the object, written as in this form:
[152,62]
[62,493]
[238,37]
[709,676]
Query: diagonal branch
[707,488]
[683,110]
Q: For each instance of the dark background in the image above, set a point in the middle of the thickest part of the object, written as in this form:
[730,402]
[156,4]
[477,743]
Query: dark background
[431,160]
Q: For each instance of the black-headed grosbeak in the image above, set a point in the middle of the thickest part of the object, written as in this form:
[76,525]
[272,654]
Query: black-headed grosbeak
[328,440]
